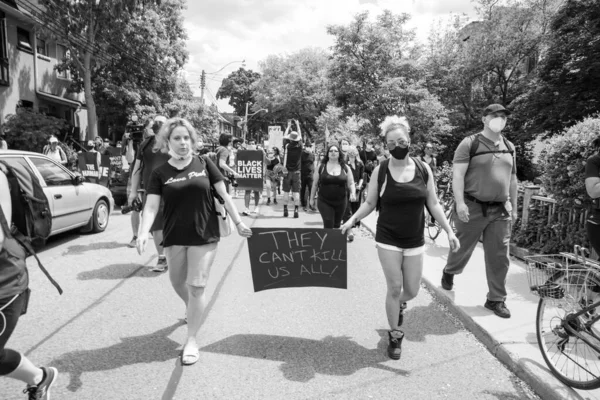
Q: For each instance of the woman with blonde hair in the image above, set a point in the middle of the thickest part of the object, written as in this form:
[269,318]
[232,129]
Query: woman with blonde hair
[406,190]
[191,229]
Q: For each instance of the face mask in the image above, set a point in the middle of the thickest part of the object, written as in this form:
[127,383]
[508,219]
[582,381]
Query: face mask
[497,124]
[399,153]
[179,157]
[344,147]
[369,147]
[251,147]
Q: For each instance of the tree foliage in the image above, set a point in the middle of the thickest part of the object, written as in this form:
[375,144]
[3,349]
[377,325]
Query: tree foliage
[30,130]
[238,88]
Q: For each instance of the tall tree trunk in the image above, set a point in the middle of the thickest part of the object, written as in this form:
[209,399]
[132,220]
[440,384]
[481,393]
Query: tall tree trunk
[92,130]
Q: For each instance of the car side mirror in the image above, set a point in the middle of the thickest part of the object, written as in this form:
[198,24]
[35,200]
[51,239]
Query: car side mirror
[78,180]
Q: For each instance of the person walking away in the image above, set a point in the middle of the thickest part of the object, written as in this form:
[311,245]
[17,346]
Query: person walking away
[14,296]
[405,189]
[333,180]
[224,156]
[252,146]
[55,152]
[592,187]
[272,181]
[307,170]
[191,227]
[146,161]
[291,168]
[358,172]
[485,193]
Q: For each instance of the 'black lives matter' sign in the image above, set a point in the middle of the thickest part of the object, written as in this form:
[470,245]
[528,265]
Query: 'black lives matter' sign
[250,164]
[286,257]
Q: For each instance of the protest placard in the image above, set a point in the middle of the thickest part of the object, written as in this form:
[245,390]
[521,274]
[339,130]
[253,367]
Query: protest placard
[298,257]
[275,137]
[250,165]
[94,168]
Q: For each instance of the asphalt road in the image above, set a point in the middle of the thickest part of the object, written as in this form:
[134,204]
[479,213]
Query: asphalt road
[116,331]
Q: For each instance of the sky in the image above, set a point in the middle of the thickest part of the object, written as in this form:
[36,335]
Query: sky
[222,33]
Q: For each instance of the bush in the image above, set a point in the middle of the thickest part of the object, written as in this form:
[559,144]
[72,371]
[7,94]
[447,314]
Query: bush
[563,163]
[29,130]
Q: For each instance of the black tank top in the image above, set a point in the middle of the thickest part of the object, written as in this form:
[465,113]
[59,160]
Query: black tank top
[332,188]
[401,221]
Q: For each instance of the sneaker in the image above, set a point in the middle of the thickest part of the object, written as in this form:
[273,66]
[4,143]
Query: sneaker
[133,242]
[395,346]
[285,212]
[274,200]
[42,390]
[312,209]
[268,201]
[305,209]
[447,281]
[246,212]
[351,237]
[498,307]
[401,316]
[296,213]
[161,266]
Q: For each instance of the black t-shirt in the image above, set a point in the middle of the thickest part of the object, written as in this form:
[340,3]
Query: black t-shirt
[592,170]
[308,163]
[294,155]
[369,158]
[150,160]
[189,209]
[272,163]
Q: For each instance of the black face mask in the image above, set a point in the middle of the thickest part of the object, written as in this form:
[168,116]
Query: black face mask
[399,153]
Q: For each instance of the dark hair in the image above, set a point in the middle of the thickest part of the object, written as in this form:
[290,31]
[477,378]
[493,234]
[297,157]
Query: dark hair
[340,157]
[276,151]
[224,139]
[596,142]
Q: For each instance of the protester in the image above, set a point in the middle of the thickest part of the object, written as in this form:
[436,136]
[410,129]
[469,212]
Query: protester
[485,193]
[224,157]
[333,179]
[3,144]
[369,158]
[14,296]
[55,152]
[272,177]
[200,148]
[248,193]
[358,169]
[307,169]
[428,158]
[291,168]
[400,225]
[592,186]
[191,229]
[146,161]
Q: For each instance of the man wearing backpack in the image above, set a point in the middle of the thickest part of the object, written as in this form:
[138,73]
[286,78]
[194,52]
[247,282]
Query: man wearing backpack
[485,191]
[14,296]
[146,161]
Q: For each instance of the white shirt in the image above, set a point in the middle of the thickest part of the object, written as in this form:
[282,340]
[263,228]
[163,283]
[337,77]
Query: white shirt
[55,154]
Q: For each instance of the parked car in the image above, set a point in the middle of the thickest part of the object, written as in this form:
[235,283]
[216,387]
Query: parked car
[73,202]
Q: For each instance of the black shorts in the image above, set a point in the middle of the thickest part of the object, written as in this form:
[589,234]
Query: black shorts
[291,182]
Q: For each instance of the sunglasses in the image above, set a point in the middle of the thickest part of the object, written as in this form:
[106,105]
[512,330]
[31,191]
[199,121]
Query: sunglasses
[334,151]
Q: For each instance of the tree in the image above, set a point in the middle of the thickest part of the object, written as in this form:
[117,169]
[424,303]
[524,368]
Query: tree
[566,90]
[294,86]
[205,119]
[127,43]
[30,130]
[238,88]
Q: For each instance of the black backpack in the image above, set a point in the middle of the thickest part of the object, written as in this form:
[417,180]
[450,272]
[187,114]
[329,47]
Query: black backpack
[383,167]
[475,144]
[32,219]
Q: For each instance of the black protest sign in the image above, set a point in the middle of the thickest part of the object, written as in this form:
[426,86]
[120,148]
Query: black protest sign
[94,168]
[286,257]
[116,159]
[250,164]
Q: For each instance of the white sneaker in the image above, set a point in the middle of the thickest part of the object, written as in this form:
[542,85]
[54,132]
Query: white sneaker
[246,212]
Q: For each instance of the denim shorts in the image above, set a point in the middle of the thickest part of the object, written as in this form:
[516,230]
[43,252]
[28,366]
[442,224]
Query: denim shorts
[407,252]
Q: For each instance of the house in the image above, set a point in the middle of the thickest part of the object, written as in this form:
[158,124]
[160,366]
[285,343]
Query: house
[27,75]
[231,124]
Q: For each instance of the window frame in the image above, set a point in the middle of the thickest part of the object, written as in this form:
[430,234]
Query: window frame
[22,45]
[39,40]
[4,61]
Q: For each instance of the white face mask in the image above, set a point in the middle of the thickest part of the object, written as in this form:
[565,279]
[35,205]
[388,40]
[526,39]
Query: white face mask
[344,148]
[497,124]
[179,157]
[251,147]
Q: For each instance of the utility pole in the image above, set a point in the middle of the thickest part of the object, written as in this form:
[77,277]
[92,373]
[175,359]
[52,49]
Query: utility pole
[202,85]
[246,123]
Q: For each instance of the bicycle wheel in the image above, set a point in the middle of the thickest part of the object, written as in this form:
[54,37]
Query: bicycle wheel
[433,230]
[573,357]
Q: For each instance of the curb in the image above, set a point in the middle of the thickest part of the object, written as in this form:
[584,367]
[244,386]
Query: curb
[534,376]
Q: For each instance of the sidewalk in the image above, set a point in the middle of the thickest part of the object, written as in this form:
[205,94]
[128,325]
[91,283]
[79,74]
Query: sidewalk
[513,341]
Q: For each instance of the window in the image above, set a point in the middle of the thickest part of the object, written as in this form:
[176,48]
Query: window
[62,54]
[24,40]
[25,104]
[53,174]
[42,48]
[3,52]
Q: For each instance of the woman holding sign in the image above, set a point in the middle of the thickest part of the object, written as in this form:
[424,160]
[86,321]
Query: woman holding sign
[191,229]
[407,186]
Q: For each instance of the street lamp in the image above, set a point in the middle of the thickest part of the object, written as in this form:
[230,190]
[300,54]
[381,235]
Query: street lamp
[248,116]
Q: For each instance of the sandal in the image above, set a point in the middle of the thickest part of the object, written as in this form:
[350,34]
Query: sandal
[190,358]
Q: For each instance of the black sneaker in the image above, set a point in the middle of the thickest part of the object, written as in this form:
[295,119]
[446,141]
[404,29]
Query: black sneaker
[285,212]
[268,201]
[295,213]
[498,307]
[401,316]
[395,346]
[274,200]
[42,390]
[447,281]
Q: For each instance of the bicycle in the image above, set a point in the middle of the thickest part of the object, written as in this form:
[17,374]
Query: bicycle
[447,201]
[568,285]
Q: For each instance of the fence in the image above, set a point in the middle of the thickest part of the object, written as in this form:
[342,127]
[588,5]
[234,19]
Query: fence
[553,225]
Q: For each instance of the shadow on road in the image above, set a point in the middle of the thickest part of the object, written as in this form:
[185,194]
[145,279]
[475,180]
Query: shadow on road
[117,271]
[304,358]
[80,249]
[154,347]
[420,322]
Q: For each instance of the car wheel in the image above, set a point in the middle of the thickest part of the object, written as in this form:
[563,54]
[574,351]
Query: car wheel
[100,216]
